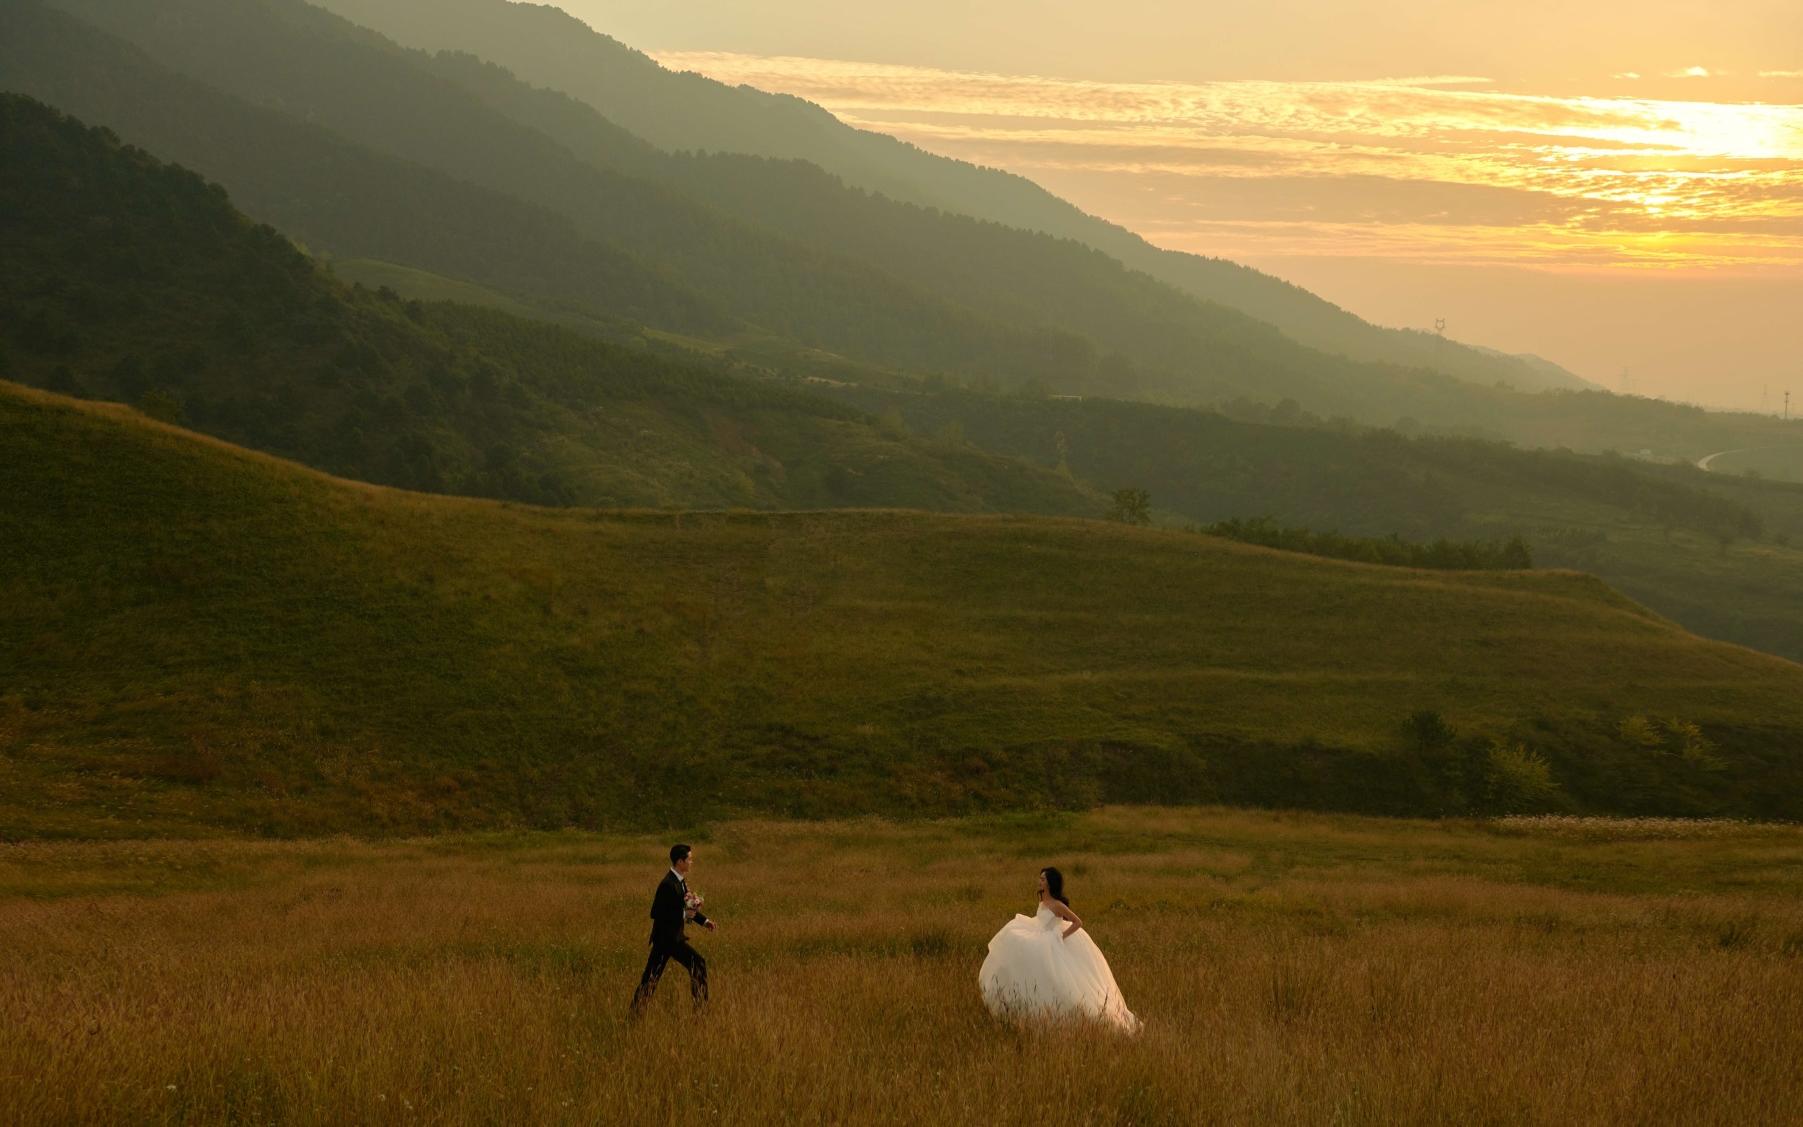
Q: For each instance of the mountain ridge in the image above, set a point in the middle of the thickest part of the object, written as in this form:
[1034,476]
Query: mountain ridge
[549,47]
[130,278]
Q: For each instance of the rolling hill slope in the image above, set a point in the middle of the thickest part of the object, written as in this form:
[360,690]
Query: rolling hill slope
[199,638]
[1717,553]
[549,48]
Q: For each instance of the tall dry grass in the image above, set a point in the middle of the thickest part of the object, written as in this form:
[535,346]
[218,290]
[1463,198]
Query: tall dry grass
[1304,969]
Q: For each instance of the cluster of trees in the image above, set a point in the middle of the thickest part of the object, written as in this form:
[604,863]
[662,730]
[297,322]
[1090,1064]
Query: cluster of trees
[1433,769]
[1446,555]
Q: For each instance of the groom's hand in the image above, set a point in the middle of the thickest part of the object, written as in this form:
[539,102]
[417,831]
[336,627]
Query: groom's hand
[711,926]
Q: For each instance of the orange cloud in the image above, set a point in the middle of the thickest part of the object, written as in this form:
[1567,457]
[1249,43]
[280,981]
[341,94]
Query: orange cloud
[1427,168]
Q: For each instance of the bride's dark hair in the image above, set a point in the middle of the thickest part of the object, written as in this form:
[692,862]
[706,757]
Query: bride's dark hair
[1054,885]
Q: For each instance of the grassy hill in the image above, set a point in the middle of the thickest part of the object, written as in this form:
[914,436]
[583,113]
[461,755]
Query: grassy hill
[195,637]
[1717,553]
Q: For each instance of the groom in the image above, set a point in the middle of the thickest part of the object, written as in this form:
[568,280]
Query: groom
[670,910]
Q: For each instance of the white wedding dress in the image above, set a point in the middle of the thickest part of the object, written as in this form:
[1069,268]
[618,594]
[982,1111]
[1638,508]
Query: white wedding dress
[1033,971]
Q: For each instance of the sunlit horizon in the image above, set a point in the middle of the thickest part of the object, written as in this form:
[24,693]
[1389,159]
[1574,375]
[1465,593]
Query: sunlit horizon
[1421,169]
[1646,240]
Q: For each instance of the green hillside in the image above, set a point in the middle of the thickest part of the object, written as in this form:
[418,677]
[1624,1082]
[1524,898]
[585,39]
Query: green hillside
[133,280]
[1717,553]
[198,637]
[549,48]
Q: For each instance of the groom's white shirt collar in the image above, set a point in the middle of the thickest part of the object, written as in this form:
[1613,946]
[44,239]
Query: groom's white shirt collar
[678,875]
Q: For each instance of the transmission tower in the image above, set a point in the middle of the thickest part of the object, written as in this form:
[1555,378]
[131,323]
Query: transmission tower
[1439,326]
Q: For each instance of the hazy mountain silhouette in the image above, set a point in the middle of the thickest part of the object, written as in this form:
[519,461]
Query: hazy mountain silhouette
[677,111]
[135,280]
[822,294]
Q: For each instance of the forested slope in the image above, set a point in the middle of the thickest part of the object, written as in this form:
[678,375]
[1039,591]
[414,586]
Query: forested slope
[135,280]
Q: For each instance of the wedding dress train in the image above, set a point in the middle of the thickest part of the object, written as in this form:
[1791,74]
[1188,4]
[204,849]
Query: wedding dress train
[1032,970]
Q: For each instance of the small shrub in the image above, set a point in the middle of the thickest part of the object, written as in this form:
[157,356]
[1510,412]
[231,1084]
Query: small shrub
[1518,780]
[1692,745]
[891,424]
[1428,731]
[1638,731]
[1131,506]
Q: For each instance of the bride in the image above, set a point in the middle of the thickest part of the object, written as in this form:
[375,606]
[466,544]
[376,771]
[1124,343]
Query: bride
[1039,966]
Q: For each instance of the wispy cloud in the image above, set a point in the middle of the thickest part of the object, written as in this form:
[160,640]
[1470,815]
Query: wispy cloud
[1691,72]
[1434,167]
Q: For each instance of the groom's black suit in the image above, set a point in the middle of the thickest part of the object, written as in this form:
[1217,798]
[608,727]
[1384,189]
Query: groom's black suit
[669,941]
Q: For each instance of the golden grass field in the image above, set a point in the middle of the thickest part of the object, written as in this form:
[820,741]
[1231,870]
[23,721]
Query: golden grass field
[1289,968]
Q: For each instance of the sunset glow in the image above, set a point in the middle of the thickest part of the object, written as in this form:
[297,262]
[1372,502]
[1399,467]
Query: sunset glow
[1415,169]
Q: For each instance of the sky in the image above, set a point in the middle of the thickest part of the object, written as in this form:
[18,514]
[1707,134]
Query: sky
[1615,186]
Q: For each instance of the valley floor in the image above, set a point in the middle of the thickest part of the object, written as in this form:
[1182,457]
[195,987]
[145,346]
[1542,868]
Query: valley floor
[1288,968]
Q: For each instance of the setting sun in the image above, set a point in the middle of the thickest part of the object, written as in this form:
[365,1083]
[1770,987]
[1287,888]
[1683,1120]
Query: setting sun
[1412,152]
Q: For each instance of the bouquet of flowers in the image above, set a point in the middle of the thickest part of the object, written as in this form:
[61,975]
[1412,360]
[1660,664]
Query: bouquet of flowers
[691,904]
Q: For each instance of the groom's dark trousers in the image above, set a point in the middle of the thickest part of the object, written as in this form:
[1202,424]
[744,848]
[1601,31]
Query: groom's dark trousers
[670,943]
[662,956]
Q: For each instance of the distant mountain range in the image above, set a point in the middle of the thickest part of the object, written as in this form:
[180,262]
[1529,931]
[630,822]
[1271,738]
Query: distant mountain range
[867,277]
[545,46]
